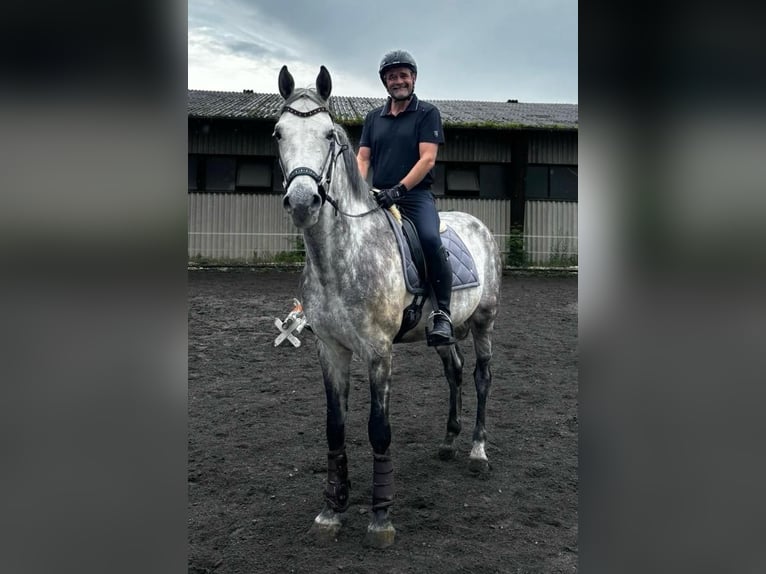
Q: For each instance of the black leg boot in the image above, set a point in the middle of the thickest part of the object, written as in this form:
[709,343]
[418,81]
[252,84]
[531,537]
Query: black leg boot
[441,281]
[337,486]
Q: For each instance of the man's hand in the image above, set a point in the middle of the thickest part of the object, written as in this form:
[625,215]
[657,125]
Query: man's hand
[387,197]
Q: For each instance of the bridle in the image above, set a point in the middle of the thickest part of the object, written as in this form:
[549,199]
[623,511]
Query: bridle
[323,179]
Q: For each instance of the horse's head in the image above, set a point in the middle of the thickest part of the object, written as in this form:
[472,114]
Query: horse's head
[306,138]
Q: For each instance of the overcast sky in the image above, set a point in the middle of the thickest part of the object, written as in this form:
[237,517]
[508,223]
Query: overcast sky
[490,50]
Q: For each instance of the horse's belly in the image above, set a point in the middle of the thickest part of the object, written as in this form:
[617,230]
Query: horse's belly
[462,306]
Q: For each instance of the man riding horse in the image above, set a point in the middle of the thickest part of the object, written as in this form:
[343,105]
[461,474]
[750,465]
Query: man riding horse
[400,141]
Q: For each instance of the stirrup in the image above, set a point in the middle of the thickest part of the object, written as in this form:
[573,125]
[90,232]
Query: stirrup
[435,340]
[442,313]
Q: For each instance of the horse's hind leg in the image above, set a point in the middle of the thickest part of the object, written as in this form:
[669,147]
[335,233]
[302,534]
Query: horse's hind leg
[452,360]
[335,363]
[481,327]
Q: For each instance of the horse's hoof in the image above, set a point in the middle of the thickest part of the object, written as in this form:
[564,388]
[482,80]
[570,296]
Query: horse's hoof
[478,466]
[325,533]
[380,536]
[326,526]
[447,452]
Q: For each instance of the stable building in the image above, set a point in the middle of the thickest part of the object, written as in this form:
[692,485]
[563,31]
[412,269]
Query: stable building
[511,164]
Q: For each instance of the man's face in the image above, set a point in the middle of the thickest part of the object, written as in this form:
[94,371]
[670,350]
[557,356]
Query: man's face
[400,83]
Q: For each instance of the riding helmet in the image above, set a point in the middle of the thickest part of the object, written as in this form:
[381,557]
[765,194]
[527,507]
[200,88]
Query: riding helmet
[397,59]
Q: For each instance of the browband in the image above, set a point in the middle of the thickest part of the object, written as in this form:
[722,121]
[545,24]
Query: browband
[305,114]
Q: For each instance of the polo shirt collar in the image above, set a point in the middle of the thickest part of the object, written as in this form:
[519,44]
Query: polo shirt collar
[413,105]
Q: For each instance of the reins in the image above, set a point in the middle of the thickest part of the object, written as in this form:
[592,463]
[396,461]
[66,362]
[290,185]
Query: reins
[323,185]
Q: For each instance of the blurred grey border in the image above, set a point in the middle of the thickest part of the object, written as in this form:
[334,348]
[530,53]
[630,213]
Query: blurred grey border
[671,289]
[93,224]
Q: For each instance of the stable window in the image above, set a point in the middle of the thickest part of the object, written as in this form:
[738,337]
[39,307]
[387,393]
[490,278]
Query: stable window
[230,173]
[536,185]
[563,182]
[557,182]
[254,174]
[462,181]
[193,163]
[220,173]
[493,181]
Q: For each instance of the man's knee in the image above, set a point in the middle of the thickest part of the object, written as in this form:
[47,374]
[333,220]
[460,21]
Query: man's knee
[431,243]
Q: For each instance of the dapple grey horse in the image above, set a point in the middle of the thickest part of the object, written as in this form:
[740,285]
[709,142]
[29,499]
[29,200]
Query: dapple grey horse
[353,293]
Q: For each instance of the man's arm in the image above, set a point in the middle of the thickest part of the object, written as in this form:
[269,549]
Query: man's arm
[426,162]
[363,160]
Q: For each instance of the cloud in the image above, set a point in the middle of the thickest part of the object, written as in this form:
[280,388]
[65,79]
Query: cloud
[492,51]
[223,64]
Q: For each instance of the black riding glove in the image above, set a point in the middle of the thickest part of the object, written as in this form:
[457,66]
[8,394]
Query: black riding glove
[387,197]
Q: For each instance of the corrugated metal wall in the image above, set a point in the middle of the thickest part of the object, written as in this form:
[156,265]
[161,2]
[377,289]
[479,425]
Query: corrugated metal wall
[249,227]
[488,146]
[246,227]
[558,147]
[550,232]
[495,213]
[238,226]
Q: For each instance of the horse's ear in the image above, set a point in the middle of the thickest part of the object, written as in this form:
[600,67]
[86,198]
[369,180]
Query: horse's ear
[286,83]
[324,83]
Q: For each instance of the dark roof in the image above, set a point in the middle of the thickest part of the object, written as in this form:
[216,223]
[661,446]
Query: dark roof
[351,110]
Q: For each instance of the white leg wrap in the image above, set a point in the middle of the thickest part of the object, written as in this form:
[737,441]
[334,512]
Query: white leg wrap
[478,451]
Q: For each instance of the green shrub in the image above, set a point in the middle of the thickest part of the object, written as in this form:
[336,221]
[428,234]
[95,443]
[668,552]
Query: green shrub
[515,248]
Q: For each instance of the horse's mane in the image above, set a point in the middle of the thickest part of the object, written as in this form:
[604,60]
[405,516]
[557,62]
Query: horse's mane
[359,186]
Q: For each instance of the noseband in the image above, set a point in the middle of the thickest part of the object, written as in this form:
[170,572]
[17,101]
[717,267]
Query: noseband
[323,183]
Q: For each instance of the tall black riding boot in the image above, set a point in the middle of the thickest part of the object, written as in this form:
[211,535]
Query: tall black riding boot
[441,281]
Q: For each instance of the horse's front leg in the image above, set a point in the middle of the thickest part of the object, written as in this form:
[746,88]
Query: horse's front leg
[335,363]
[380,531]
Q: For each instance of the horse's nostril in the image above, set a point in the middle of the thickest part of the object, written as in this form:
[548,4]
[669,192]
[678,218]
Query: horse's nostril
[317,201]
[286,202]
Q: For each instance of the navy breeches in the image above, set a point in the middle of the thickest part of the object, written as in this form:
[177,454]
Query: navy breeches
[419,207]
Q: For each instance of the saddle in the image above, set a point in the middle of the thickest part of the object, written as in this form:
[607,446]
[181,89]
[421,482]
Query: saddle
[414,267]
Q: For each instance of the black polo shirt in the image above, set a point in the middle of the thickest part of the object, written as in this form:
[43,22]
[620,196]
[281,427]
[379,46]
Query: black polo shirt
[394,141]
